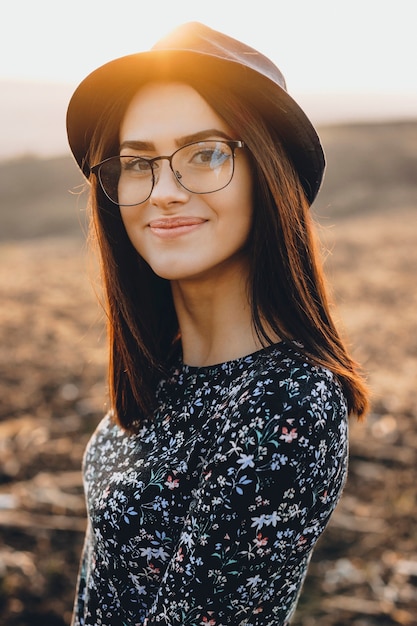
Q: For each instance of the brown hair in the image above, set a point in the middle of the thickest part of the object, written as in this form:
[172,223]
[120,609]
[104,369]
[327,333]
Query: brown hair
[287,288]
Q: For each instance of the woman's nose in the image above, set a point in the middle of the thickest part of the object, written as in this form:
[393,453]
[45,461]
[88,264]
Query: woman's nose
[166,188]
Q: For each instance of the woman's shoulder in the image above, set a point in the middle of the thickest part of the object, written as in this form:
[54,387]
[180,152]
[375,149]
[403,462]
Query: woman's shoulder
[284,403]
[284,367]
[286,386]
[107,439]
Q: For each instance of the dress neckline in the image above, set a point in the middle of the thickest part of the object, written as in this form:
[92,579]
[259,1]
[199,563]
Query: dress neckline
[231,364]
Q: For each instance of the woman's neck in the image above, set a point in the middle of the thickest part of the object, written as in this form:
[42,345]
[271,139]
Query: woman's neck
[215,319]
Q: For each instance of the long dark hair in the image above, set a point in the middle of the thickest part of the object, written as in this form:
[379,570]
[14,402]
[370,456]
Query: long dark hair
[286,286]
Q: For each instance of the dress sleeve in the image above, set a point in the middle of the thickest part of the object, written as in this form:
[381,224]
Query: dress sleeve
[79,600]
[265,496]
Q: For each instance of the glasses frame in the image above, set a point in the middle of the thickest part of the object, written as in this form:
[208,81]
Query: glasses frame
[232,143]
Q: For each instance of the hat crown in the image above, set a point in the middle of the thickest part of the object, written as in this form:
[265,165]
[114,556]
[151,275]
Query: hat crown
[198,38]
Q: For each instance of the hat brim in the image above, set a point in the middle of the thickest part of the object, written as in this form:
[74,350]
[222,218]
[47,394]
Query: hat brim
[127,74]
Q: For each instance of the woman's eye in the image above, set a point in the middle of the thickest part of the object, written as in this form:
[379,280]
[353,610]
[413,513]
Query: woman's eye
[211,157]
[204,156]
[139,165]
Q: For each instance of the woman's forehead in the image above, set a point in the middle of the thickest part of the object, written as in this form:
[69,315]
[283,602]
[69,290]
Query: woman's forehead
[164,110]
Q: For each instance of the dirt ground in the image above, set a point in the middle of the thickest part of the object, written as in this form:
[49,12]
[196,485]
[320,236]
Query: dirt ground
[52,393]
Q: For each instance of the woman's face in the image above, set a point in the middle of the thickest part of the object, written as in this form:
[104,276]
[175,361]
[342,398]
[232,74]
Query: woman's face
[180,234]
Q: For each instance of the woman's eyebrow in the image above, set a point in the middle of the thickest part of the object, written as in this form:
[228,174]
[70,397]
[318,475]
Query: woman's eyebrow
[180,141]
[201,135]
[137,145]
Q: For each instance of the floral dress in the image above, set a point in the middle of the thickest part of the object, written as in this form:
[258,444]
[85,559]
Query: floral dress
[208,515]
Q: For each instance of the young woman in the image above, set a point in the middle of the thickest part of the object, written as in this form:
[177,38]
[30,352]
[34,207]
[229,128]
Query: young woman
[224,452]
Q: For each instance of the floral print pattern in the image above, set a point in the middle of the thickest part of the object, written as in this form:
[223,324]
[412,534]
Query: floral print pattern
[208,516]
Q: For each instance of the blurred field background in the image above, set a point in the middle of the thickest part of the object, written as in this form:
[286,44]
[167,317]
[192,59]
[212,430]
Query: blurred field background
[53,392]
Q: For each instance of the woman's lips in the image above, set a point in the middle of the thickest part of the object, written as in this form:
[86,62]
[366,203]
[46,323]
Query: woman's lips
[168,228]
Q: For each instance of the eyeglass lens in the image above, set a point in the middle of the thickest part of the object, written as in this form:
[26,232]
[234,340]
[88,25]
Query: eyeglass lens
[200,167]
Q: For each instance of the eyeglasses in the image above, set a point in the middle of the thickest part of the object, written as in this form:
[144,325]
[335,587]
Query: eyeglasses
[200,167]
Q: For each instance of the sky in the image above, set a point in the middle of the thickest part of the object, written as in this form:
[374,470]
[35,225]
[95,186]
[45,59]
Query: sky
[321,45]
[361,52]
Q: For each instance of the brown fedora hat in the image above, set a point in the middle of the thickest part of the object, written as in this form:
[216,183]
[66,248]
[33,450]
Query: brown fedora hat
[193,49]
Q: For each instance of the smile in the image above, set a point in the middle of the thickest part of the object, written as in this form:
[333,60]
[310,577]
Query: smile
[169,228]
